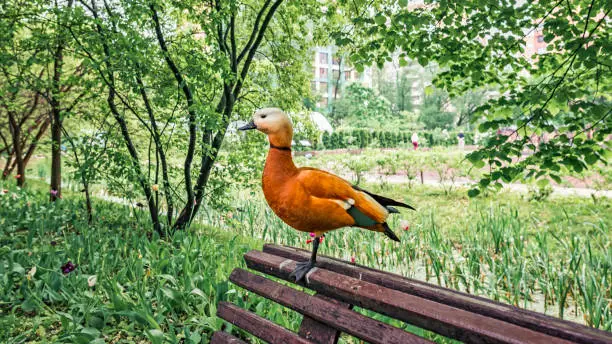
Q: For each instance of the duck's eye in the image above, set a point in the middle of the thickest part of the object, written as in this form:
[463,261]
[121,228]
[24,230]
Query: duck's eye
[263,116]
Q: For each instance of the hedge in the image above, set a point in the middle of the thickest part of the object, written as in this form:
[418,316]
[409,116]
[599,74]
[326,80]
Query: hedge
[362,138]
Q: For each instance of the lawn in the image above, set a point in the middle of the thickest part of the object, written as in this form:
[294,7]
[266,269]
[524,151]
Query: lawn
[553,256]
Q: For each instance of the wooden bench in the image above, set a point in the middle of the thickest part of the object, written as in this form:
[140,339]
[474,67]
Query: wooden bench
[340,285]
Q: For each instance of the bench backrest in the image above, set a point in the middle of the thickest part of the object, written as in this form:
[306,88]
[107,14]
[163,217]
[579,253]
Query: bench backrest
[340,285]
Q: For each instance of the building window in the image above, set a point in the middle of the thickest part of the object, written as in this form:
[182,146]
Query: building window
[347,75]
[540,38]
[323,58]
[542,50]
[336,60]
[335,74]
[322,73]
[323,88]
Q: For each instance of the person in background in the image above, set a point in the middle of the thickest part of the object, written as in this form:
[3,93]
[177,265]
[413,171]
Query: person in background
[461,140]
[415,140]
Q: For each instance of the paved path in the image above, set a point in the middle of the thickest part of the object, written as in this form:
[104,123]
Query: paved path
[521,188]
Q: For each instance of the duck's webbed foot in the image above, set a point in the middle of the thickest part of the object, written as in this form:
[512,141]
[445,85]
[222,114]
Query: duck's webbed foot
[302,269]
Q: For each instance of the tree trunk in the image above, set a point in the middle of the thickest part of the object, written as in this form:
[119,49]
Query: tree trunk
[56,157]
[26,159]
[88,201]
[187,214]
[17,148]
[9,162]
[56,120]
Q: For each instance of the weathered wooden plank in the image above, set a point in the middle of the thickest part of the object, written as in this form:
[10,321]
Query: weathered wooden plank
[221,337]
[343,319]
[319,332]
[257,326]
[475,304]
[440,318]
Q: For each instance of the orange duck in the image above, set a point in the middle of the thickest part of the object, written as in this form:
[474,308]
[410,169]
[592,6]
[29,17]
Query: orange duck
[311,200]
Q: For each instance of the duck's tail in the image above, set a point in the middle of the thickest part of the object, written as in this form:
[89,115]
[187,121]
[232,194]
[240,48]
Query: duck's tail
[385,201]
[388,232]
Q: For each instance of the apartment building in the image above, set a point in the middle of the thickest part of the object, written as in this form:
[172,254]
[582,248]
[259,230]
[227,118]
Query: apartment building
[331,71]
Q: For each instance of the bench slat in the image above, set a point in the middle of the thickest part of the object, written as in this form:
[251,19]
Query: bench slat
[343,319]
[257,326]
[319,332]
[446,320]
[221,337]
[475,304]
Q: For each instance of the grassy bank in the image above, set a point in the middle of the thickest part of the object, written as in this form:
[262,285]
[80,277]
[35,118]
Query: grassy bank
[552,256]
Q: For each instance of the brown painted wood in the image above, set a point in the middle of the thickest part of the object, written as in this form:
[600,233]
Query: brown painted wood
[319,332]
[257,326]
[440,318]
[221,337]
[343,319]
[475,304]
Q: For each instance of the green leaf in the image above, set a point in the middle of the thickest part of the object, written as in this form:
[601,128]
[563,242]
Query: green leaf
[28,305]
[556,178]
[591,158]
[380,19]
[543,182]
[156,336]
[473,192]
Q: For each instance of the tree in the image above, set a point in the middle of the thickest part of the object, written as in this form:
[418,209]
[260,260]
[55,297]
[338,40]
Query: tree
[433,111]
[467,105]
[361,105]
[397,91]
[38,74]
[185,81]
[564,91]
[22,121]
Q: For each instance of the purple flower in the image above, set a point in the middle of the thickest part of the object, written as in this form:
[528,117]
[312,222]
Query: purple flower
[68,268]
[53,242]
[53,193]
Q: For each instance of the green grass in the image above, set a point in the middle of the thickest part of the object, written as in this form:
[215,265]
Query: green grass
[553,256]
[446,163]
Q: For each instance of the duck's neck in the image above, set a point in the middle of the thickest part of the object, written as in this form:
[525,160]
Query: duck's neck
[281,138]
[279,163]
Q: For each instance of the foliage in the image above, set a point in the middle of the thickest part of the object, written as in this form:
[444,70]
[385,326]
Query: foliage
[163,83]
[123,284]
[361,138]
[433,111]
[466,106]
[565,91]
[38,86]
[361,105]
[397,91]
[149,290]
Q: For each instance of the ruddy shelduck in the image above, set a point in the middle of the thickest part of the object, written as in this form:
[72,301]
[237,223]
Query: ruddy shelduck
[312,200]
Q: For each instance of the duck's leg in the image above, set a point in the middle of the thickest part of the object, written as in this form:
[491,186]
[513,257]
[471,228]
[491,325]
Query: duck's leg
[302,268]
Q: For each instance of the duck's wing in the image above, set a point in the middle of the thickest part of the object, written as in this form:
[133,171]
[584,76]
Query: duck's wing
[360,205]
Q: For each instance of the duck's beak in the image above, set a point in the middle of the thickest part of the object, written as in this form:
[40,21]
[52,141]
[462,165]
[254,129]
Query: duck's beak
[248,126]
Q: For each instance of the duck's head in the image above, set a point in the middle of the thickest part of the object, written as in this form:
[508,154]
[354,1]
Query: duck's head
[274,123]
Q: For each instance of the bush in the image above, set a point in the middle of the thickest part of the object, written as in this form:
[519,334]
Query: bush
[363,138]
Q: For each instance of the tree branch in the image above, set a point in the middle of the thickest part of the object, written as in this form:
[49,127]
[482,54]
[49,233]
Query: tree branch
[182,83]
